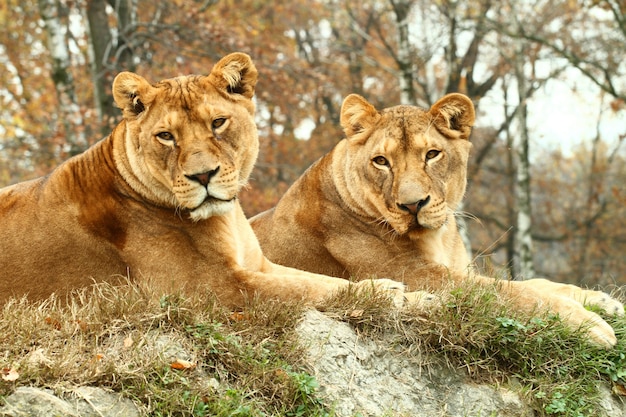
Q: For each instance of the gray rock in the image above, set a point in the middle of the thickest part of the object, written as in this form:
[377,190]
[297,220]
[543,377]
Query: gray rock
[83,402]
[35,402]
[96,402]
[360,377]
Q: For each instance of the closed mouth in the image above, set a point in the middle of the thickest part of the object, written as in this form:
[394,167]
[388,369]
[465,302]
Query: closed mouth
[216,200]
[212,200]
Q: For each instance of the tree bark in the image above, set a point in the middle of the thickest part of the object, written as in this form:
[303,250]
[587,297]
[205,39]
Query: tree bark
[52,13]
[524,241]
[402,9]
[108,54]
[100,41]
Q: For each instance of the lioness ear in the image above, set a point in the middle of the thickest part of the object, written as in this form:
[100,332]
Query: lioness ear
[454,115]
[357,115]
[132,93]
[235,74]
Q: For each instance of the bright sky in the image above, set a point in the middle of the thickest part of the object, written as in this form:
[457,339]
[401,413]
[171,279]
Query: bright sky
[563,114]
[558,117]
[563,117]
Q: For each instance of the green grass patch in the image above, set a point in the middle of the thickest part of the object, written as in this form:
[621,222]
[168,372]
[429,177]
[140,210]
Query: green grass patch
[557,371]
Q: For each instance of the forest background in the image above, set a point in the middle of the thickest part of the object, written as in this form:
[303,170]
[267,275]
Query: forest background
[545,196]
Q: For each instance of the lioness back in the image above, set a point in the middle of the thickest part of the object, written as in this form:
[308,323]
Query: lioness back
[295,233]
[39,249]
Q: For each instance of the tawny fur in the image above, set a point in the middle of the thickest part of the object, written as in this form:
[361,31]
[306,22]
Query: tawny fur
[382,203]
[156,200]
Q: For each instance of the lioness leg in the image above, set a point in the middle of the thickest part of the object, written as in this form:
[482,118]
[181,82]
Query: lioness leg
[583,296]
[277,281]
[567,301]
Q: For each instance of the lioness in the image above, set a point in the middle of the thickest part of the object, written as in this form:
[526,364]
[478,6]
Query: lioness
[155,200]
[382,202]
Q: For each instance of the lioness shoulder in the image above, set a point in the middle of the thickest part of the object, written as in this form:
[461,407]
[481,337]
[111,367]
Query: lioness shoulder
[382,203]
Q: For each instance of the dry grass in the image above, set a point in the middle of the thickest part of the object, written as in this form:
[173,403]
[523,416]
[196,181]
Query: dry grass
[184,356]
[174,356]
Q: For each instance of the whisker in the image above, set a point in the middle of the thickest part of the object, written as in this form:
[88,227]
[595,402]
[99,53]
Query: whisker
[466,215]
[178,210]
[492,245]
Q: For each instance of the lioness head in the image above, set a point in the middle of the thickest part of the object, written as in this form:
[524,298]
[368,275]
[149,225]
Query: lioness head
[190,142]
[406,166]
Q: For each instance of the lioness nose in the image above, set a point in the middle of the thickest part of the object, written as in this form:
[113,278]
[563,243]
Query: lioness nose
[413,208]
[204,177]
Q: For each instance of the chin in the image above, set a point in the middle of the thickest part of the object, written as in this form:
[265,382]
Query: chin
[212,208]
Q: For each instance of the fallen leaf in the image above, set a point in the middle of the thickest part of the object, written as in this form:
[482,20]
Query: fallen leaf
[619,390]
[238,316]
[181,364]
[53,323]
[128,342]
[9,374]
[281,374]
[82,325]
[356,313]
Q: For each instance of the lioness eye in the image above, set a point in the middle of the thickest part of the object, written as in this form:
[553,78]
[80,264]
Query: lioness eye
[380,160]
[165,136]
[432,154]
[218,122]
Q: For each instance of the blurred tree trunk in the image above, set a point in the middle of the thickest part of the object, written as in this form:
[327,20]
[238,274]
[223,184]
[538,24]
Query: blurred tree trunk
[100,40]
[510,209]
[404,59]
[523,237]
[109,53]
[54,15]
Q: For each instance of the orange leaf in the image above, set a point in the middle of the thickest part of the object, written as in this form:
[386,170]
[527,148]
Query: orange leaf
[9,374]
[619,390]
[238,316]
[181,364]
[82,325]
[128,342]
[281,374]
[356,313]
[53,323]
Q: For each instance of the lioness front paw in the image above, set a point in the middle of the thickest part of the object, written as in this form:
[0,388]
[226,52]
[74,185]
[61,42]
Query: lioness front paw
[577,316]
[394,288]
[422,299]
[600,299]
[568,302]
